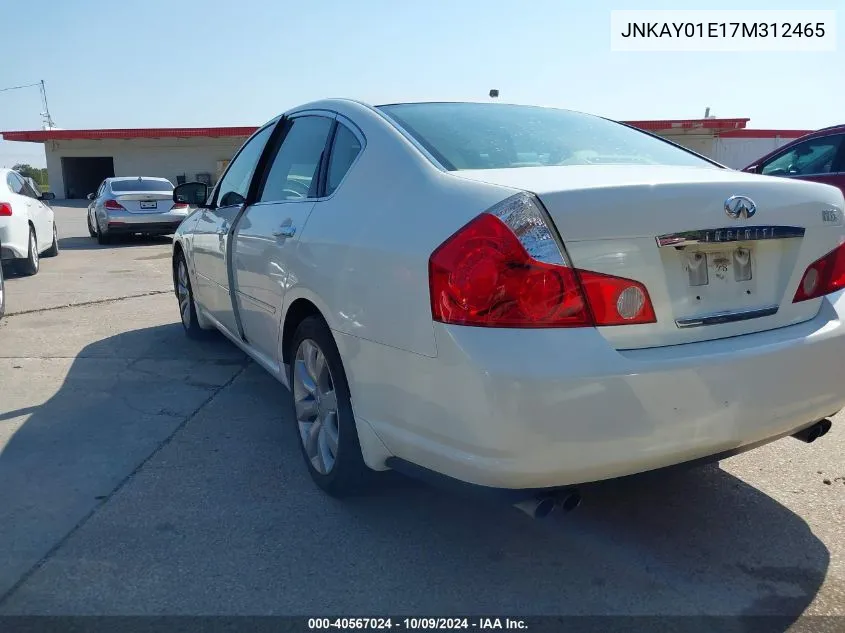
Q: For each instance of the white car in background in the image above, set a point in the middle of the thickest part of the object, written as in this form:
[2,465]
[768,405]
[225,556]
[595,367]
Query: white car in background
[133,205]
[27,224]
[519,298]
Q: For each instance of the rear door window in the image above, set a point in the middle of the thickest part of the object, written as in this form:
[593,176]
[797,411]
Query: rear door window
[16,184]
[294,173]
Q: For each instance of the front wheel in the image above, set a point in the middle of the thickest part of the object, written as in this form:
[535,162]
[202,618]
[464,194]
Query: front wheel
[322,410]
[185,296]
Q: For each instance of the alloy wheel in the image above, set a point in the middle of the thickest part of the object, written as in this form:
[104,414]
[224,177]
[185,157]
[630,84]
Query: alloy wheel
[315,402]
[33,249]
[183,293]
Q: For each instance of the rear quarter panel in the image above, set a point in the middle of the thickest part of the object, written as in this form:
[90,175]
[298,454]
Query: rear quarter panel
[363,256]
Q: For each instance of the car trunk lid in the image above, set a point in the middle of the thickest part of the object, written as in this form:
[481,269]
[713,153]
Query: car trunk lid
[709,275]
[145,201]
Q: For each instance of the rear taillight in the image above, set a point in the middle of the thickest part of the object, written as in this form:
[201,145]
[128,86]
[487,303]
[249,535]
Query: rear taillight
[823,276]
[5,209]
[179,205]
[505,269]
[113,205]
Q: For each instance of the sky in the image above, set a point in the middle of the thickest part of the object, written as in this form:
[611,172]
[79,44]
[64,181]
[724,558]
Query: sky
[174,63]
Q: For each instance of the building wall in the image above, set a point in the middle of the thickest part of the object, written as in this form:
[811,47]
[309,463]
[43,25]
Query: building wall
[165,158]
[699,143]
[741,152]
[733,152]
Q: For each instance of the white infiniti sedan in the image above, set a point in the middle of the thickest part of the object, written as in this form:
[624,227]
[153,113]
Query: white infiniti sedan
[514,297]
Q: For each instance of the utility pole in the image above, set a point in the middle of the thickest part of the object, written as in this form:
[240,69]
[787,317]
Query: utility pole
[47,120]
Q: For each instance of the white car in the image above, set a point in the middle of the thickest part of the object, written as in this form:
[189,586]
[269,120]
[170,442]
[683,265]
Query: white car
[2,290]
[133,205]
[27,224]
[520,298]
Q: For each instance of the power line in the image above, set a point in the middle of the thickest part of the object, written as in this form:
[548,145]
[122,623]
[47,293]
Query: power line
[48,121]
[19,87]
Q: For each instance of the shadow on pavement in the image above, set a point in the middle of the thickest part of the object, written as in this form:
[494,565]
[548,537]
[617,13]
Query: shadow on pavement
[225,520]
[123,241]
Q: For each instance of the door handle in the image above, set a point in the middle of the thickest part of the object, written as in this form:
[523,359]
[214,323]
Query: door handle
[285,231]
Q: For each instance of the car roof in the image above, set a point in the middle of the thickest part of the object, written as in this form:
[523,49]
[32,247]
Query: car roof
[125,178]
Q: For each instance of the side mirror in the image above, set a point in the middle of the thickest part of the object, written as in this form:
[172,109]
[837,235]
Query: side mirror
[751,169]
[90,196]
[192,193]
[47,195]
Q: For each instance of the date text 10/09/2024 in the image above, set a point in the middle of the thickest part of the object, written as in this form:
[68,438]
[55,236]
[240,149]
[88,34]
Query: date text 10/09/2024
[430,624]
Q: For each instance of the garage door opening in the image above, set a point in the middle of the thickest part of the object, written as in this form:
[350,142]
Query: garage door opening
[83,175]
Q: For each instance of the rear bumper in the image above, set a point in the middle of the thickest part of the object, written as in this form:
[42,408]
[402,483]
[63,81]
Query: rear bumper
[14,237]
[158,228]
[158,223]
[549,408]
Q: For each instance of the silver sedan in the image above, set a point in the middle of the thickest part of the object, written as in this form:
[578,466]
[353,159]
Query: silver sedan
[132,205]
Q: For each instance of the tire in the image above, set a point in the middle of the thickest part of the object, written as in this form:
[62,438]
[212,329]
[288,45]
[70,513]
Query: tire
[91,230]
[103,238]
[185,297]
[347,474]
[2,293]
[32,263]
[54,247]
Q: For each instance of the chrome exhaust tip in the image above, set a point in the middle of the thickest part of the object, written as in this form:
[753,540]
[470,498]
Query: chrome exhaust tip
[538,507]
[569,501]
[814,432]
[541,506]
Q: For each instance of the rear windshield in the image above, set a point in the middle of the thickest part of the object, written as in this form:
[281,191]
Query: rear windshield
[496,136]
[141,184]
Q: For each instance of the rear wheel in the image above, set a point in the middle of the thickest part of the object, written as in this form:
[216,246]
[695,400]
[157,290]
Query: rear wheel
[103,238]
[54,247]
[322,409]
[2,292]
[31,264]
[91,231]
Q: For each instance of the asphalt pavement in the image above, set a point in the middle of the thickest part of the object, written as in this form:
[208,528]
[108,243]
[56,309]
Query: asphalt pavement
[143,473]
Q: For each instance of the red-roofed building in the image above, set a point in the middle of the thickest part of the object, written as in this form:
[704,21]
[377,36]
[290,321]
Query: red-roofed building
[78,160]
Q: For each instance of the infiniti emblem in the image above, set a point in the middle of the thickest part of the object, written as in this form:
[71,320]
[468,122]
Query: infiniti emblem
[740,207]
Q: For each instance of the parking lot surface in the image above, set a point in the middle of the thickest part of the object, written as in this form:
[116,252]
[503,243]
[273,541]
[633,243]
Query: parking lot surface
[143,473]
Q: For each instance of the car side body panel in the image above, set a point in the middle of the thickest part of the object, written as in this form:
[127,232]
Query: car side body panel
[366,248]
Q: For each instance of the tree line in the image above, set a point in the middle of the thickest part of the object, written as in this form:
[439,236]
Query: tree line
[39,175]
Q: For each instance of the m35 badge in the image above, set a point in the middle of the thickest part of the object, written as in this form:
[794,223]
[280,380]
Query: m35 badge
[830,215]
